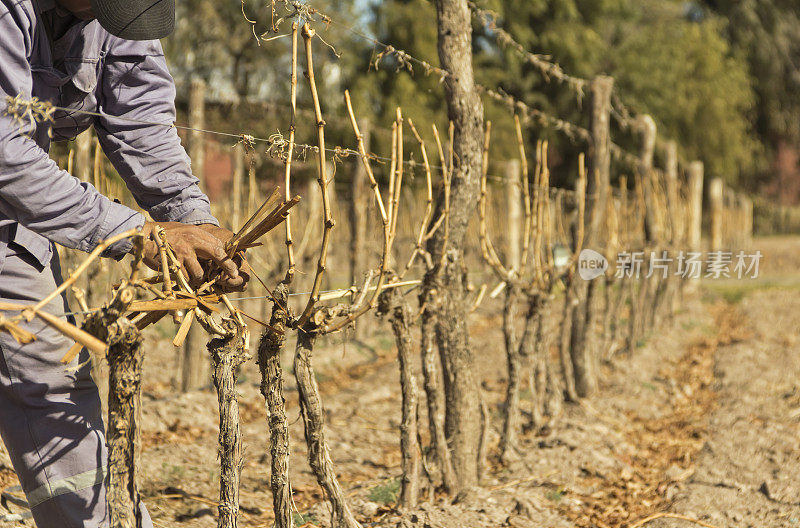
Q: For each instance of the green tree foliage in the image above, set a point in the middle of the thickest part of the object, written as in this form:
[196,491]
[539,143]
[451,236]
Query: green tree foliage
[247,63]
[767,34]
[223,48]
[238,51]
[383,81]
[699,91]
[682,72]
[577,34]
[718,80]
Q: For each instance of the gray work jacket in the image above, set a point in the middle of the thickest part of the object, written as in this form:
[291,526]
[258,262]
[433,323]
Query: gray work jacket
[127,83]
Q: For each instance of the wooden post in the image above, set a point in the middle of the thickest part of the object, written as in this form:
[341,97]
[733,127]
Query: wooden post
[83,156]
[599,160]
[747,222]
[514,205]
[715,200]
[730,231]
[787,219]
[465,111]
[252,185]
[195,365]
[644,308]
[673,195]
[674,213]
[357,210]
[737,207]
[647,131]
[197,120]
[308,231]
[584,314]
[236,187]
[695,223]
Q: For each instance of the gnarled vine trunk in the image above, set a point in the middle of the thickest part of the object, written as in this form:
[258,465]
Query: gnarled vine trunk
[433,394]
[226,355]
[125,358]
[269,363]
[319,457]
[465,111]
[514,361]
[391,302]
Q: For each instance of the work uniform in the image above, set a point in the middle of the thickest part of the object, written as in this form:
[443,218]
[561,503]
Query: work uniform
[50,413]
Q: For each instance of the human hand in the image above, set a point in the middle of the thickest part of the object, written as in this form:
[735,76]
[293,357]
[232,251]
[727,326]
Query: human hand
[225,235]
[220,232]
[195,249]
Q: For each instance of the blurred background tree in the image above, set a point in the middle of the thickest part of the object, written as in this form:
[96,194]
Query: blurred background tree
[766,34]
[722,77]
[677,67]
[222,50]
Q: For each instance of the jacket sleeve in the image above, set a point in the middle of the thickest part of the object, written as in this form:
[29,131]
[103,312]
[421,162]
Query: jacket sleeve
[33,190]
[137,96]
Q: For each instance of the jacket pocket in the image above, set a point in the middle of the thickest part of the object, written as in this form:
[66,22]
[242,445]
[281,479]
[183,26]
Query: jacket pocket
[38,246]
[82,73]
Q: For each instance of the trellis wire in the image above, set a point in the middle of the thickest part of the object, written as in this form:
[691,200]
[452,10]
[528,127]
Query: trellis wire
[275,139]
[547,68]
[571,130]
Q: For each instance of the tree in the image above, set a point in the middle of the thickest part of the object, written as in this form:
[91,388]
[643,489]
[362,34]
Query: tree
[240,54]
[383,82]
[465,111]
[679,69]
[767,34]
[226,53]
[698,90]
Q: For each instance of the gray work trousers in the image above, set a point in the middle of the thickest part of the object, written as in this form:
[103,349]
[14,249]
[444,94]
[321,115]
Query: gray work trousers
[50,418]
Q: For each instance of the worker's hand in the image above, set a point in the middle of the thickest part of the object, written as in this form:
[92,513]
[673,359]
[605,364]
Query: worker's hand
[224,235]
[198,252]
[220,232]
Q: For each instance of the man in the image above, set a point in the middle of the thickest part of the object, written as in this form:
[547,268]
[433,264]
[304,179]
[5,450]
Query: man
[98,56]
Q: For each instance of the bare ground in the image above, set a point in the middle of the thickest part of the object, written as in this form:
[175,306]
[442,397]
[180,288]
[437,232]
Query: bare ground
[701,421]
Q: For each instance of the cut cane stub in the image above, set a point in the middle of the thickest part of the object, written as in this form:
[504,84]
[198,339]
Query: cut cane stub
[65,328]
[268,216]
[19,334]
[72,353]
